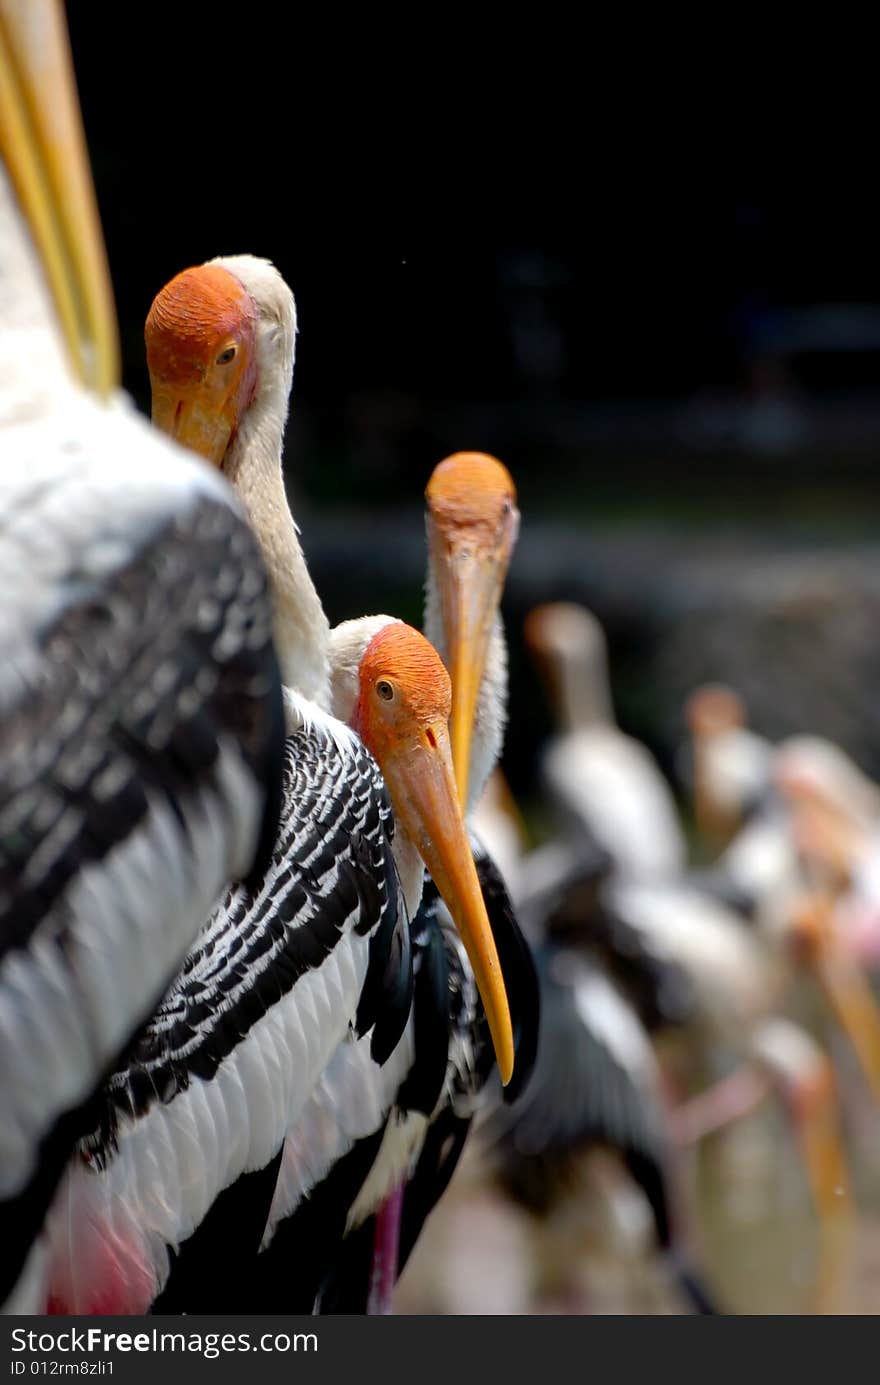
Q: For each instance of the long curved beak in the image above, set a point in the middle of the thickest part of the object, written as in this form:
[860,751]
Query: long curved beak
[846,988]
[816,1126]
[420,779]
[43,146]
[193,424]
[849,994]
[470,581]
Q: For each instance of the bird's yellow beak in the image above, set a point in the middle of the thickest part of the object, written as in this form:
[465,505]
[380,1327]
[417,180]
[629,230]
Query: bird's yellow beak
[43,146]
[195,422]
[470,572]
[420,779]
[849,993]
[846,987]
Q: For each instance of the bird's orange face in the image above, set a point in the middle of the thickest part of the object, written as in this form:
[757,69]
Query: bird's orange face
[401,715]
[557,628]
[714,709]
[404,694]
[472,524]
[201,351]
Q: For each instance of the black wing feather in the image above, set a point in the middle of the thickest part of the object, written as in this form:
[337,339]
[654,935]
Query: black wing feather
[118,703]
[580,1095]
[517,968]
[446,1005]
[432,1002]
[386,998]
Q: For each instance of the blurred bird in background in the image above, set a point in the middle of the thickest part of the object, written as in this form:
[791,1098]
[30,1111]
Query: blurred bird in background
[663,985]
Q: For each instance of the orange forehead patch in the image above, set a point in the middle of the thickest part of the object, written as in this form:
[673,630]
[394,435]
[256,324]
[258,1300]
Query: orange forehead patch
[714,707]
[468,487]
[559,622]
[405,658]
[189,319]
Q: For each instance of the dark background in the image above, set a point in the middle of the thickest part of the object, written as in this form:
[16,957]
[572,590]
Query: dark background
[657,302]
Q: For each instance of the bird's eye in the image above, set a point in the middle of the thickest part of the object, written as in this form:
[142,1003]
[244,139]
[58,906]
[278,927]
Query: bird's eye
[385,690]
[226,356]
[508,506]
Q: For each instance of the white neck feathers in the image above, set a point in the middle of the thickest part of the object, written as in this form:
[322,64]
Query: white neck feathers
[579,673]
[253,465]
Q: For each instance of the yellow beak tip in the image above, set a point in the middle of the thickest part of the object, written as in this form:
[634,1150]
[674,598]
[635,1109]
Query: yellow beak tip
[504,1056]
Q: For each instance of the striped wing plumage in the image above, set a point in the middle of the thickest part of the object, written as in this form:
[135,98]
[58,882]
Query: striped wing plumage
[140,730]
[447,1082]
[596,1084]
[222,1074]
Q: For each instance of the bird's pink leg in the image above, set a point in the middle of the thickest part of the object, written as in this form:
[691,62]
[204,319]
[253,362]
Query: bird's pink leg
[386,1244]
[726,1101]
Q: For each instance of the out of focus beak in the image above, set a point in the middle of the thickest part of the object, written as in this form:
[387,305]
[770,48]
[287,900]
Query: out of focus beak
[42,143]
[470,579]
[812,1106]
[194,422]
[849,994]
[420,778]
[814,1109]
[846,987]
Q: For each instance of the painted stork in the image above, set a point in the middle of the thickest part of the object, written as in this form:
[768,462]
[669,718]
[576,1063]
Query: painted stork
[730,764]
[595,773]
[835,817]
[220,341]
[140,703]
[803,847]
